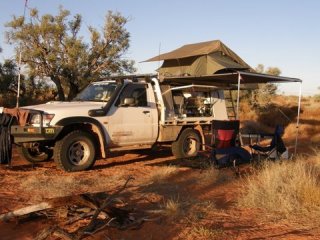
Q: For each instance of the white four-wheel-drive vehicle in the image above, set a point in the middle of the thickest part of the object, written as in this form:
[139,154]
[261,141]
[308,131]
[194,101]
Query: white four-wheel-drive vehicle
[123,113]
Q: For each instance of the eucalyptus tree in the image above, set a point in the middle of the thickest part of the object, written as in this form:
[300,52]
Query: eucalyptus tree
[51,47]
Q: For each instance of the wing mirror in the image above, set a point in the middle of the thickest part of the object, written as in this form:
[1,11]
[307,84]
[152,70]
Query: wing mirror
[97,112]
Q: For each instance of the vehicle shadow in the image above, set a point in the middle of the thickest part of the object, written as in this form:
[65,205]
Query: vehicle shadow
[197,162]
[146,155]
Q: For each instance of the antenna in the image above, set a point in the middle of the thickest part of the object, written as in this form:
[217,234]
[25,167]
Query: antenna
[20,56]
[159,54]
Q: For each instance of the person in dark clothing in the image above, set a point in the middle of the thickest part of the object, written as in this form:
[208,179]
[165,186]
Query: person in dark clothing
[5,138]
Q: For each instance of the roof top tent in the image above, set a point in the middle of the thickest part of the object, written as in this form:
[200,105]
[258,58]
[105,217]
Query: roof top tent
[213,63]
[200,59]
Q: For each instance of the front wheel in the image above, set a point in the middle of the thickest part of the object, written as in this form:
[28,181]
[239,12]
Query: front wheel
[75,152]
[34,154]
[187,145]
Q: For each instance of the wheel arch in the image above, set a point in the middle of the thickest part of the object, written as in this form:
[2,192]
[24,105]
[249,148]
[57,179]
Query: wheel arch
[197,128]
[88,124]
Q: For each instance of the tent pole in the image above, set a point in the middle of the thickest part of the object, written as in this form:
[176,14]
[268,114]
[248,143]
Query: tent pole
[298,120]
[238,96]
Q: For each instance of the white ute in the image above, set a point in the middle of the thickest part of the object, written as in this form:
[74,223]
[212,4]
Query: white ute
[126,113]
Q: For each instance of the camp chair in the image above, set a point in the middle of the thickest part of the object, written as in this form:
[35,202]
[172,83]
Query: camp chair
[275,150]
[226,147]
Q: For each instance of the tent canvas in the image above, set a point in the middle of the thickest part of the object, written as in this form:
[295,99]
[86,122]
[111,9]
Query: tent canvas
[199,59]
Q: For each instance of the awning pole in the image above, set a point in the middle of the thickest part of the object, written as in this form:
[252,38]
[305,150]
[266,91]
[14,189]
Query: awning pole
[238,96]
[298,120]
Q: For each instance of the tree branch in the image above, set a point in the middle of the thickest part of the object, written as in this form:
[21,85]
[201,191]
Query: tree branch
[105,203]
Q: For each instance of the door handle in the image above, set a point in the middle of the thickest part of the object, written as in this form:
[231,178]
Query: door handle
[146,111]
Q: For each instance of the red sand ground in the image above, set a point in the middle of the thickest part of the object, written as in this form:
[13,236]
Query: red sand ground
[224,219]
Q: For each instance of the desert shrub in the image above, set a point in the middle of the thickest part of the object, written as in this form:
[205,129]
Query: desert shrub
[317,98]
[247,112]
[286,188]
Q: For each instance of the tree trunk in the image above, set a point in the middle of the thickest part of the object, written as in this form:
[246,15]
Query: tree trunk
[57,82]
[74,90]
[60,93]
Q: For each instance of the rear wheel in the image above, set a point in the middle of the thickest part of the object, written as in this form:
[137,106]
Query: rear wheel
[75,152]
[34,154]
[187,145]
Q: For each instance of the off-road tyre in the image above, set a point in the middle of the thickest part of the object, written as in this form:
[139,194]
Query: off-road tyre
[75,152]
[187,144]
[34,156]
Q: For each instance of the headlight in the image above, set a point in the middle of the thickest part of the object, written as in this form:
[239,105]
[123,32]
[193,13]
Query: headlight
[35,119]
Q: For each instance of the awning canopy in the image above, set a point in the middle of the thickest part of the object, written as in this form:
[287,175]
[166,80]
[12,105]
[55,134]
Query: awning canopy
[229,79]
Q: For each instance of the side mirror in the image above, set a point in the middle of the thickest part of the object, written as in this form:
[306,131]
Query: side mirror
[97,112]
[128,102]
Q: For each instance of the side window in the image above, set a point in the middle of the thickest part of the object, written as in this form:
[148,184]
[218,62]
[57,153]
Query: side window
[136,91]
[140,97]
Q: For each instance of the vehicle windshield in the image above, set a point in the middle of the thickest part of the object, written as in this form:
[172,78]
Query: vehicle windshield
[98,92]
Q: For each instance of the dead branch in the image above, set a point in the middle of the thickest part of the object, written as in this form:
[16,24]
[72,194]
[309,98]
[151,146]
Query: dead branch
[25,210]
[63,234]
[102,227]
[54,231]
[88,201]
[79,217]
[104,204]
[44,234]
[85,206]
[52,203]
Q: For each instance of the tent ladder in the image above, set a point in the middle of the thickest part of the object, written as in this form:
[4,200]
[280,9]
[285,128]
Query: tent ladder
[231,111]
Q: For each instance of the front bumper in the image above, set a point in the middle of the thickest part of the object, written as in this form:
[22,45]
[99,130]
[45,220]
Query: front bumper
[34,134]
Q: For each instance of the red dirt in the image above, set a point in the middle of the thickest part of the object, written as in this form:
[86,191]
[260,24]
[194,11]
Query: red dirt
[223,218]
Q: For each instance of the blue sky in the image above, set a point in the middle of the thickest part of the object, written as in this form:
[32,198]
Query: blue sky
[282,33]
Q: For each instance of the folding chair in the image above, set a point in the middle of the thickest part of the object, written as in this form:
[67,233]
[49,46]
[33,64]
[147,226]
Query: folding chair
[275,150]
[226,145]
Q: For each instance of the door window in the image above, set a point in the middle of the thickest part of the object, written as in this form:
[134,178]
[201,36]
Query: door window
[136,91]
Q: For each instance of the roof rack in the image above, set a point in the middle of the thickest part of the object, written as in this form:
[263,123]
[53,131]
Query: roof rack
[133,77]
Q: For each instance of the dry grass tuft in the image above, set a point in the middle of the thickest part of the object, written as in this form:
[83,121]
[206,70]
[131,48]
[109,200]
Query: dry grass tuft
[198,210]
[314,159]
[212,176]
[209,175]
[162,174]
[172,208]
[288,188]
[202,232]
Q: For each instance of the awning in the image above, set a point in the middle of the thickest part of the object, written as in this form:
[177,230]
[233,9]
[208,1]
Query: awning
[228,79]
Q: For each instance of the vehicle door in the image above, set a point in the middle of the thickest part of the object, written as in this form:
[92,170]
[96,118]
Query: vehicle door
[133,118]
